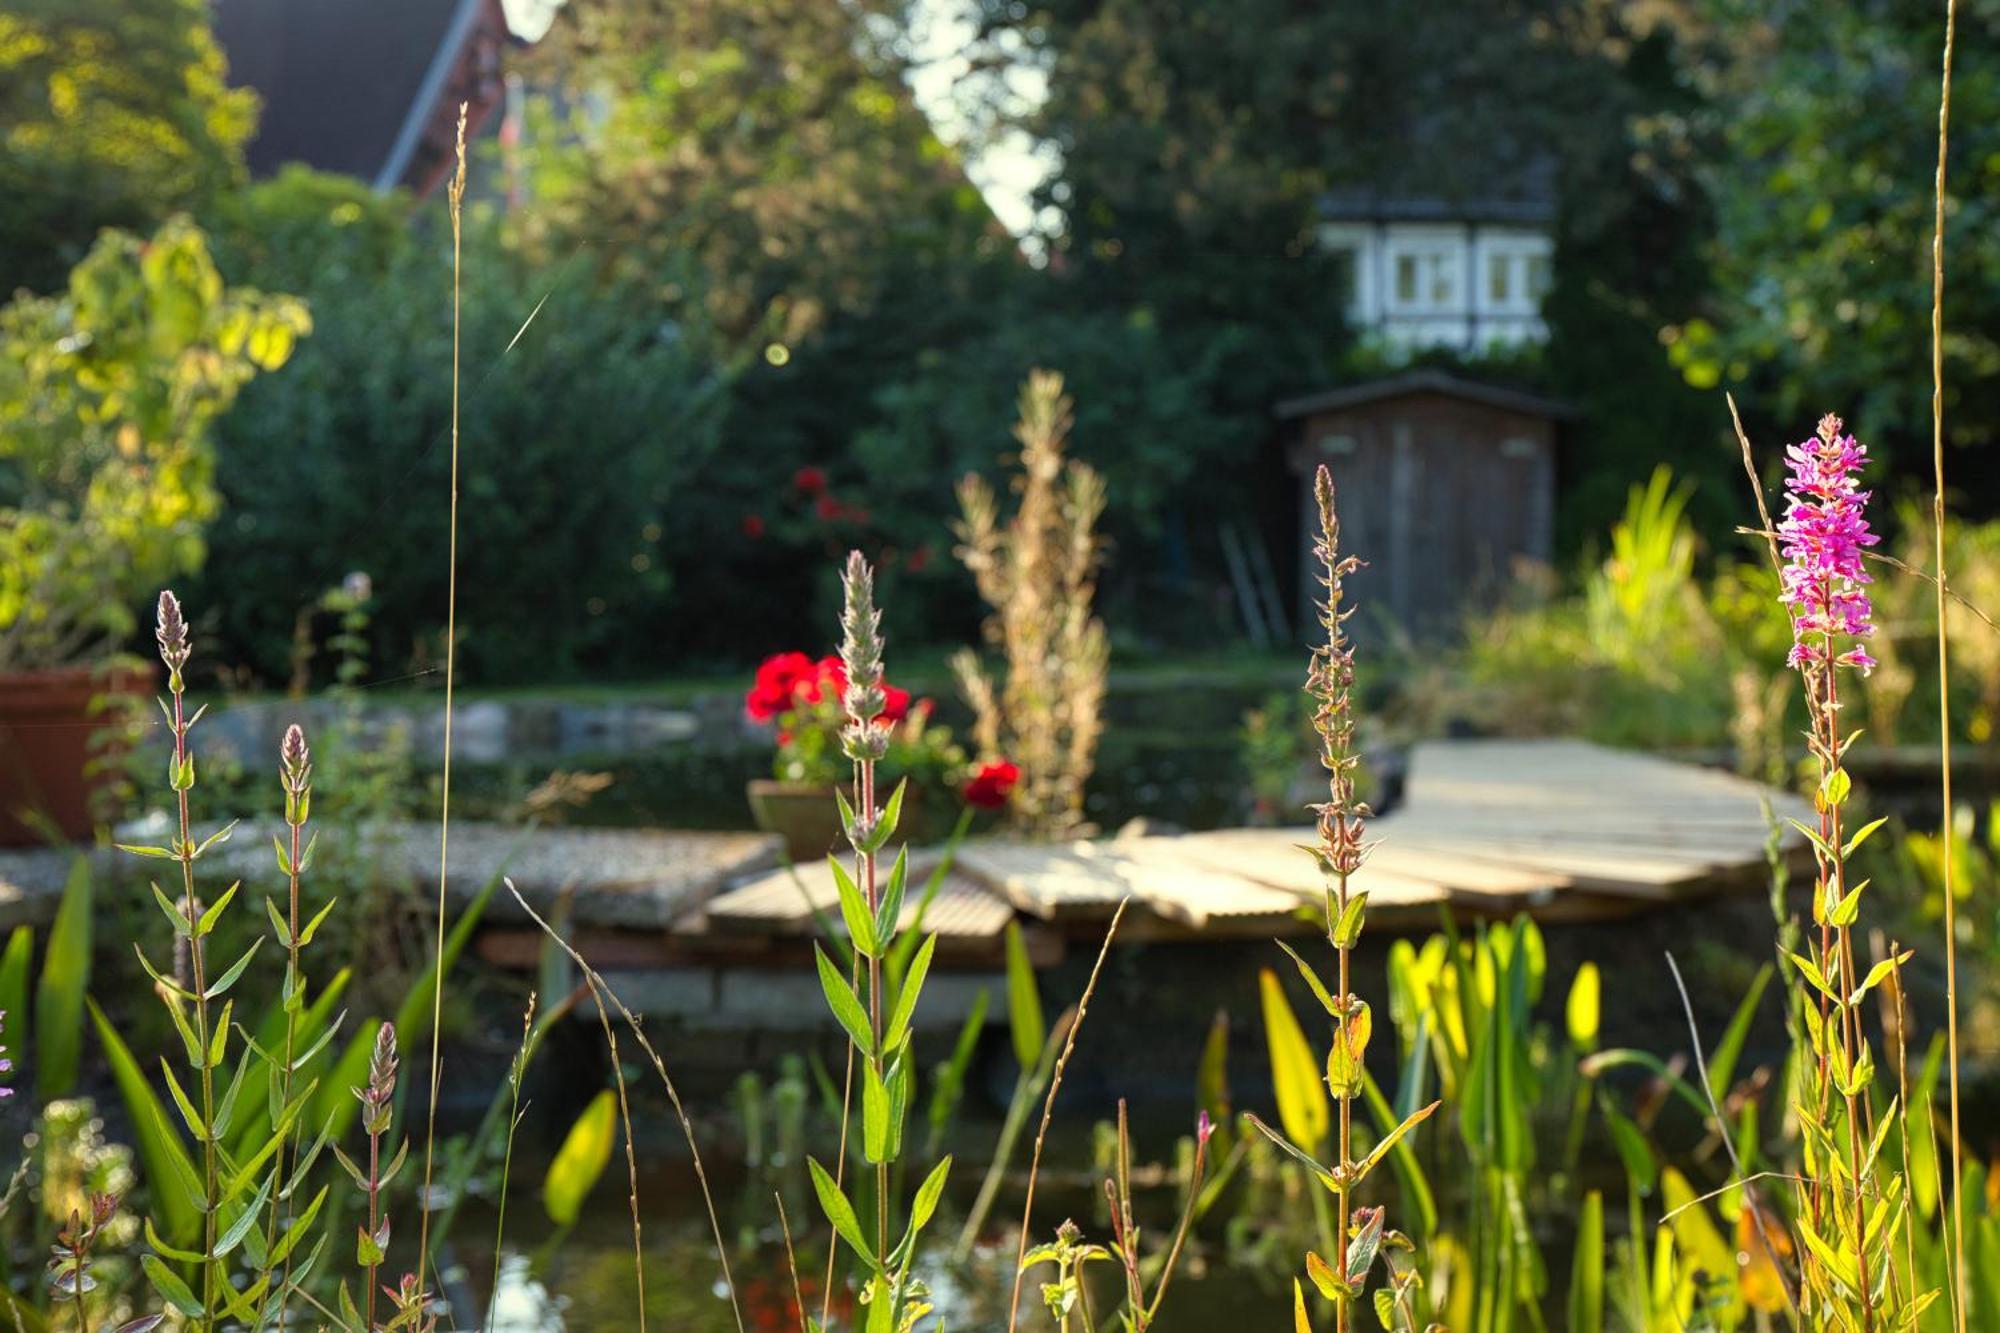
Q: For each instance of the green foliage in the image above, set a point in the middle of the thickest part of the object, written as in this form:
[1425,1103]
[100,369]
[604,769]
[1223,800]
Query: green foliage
[770,157]
[59,990]
[1822,184]
[592,493]
[107,397]
[116,114]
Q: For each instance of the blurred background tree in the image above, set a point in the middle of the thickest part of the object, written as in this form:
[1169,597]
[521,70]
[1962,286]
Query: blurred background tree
[113,113]
[1820,174]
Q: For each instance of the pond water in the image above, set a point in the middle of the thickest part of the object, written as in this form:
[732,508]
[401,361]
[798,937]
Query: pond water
[585,1279]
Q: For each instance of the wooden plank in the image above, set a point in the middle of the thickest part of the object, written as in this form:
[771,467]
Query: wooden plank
[777,903]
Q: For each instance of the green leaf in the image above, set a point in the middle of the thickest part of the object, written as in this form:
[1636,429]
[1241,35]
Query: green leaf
[59,992]
[854,910]
[1862,835]
[847,1010]
[840,1213]
[215,910]
[170,1175]
[928,1194]
[874,1115]
[1024,1002]
[1295,1075]
[168,1283]
[1722,1063]
[1292,1150]
[222,984]
[580,1162]
[1391,1139]
[1348,928]
[1313,983]
[892,815]
[890,908]
[1878,974]
[1586,1274]
[906,996]
[14,966]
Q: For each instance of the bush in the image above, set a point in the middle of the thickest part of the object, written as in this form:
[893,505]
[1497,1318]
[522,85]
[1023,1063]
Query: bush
[582,418]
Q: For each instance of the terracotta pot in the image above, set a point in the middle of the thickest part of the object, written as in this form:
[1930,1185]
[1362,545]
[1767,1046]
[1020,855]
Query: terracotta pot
[46,728]
[806,816]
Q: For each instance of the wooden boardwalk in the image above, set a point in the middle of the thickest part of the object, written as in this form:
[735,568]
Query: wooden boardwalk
[1562,829]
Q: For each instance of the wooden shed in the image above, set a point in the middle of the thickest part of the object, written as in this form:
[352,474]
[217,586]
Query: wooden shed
[1445,485]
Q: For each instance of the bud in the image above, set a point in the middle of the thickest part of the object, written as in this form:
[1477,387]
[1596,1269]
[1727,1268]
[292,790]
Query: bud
[861,641]
[381,1086]
[172,632]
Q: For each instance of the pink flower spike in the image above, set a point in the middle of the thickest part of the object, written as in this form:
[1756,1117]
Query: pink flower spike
[1822,536]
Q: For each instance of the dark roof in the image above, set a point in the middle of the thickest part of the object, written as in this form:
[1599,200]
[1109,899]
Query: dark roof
[347,85]
[1521,192]
[1422,381]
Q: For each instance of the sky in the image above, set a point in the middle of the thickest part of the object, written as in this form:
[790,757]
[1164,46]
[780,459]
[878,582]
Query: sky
[1006,167]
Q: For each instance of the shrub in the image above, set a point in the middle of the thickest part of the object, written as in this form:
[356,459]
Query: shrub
[107,395]
[582,421]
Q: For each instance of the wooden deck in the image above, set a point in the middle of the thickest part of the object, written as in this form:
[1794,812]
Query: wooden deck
[1561,829]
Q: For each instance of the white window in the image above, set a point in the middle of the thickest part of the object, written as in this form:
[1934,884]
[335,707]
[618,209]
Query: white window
[1426,278]
[1499,275]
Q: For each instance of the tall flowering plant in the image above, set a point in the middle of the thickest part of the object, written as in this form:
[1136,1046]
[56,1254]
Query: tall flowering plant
[1854,1204]
[1360,1237]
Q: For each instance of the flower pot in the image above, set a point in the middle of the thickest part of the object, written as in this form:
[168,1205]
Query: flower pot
[805,815]
[47,726]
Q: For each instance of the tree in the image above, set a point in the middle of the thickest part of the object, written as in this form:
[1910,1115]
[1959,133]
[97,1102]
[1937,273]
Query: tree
[775,144]
[113,113]
[1823,198]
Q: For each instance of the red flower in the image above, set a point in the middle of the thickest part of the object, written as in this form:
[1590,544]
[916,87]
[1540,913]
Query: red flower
[778,679]
[753,526]
[895,704]
[809,481]
[920,558]
[829,509]
[991,785]
[826,680]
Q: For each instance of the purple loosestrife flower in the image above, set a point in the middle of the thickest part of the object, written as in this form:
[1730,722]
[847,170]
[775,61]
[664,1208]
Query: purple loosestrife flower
[1823,533]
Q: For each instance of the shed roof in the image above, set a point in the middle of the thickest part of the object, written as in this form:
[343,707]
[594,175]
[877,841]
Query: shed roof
[346,84]
[1411,382]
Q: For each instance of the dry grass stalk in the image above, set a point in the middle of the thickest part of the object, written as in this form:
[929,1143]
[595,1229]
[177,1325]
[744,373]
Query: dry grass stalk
[1038,571]
[456,200]
[1958,1275]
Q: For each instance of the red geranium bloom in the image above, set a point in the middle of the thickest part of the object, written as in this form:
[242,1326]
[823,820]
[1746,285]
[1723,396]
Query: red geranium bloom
[895,704]
[829,509]
[809,480]
[777,683]
[827,679]
[753,526]
[992,783]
